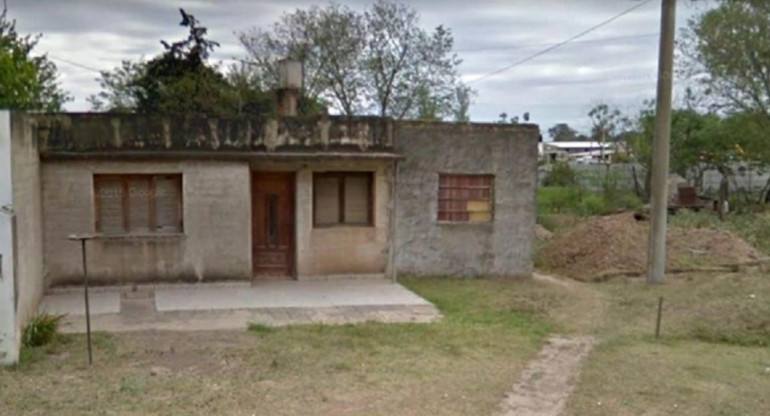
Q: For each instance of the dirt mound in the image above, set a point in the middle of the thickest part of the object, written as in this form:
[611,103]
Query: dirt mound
[600,246]
[542,234]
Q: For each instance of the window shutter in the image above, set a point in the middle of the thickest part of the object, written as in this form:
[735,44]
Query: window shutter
[109,194]
[139,205]
[356,199]
[168,208]
[327,205]
[465,198]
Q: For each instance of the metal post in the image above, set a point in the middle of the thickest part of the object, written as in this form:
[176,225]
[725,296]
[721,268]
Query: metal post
[656,266]
[85,293]
[660,315]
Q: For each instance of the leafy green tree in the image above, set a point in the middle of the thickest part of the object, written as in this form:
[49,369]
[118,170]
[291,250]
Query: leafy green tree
[181,81]
[725,55]
[26,82]
[726,52]
[120,92]
[562,132]
[699,142]
[462,104]
[379,61]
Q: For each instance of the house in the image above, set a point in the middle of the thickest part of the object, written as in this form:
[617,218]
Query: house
[198,199]
[576,151]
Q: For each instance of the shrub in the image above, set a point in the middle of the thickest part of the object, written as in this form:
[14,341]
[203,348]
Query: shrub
[592,204]
[547,221]
[576,201]
[621,200]
[41,329]
[558,199]
[260,328]
[561,174]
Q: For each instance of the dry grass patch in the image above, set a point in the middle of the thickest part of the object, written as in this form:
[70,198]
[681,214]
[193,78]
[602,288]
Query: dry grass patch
[712,358]
[673,378]
[459,366]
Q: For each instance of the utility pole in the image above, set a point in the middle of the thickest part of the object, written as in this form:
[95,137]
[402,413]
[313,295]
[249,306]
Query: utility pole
[656,255]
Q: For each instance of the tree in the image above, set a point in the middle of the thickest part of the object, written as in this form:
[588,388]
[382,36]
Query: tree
[460,111]
[181,81]
[120,92]
[725,52]
[562,132]
[699,142]
[26,82]
[607,123]
[379,61]
[609,126]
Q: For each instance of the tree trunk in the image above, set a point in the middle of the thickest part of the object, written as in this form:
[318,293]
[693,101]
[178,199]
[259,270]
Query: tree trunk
[648,182]
[637,188]
[724,187]
[765,195]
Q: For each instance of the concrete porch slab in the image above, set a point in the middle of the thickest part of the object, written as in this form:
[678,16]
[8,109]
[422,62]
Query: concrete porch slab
[71,303]
[215,307]
[286,294]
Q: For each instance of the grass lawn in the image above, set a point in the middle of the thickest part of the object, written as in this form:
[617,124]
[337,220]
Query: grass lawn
[713,357]
[460,366]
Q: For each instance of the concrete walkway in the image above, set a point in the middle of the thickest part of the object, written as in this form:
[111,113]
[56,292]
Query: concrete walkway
[547,382]
[235,305]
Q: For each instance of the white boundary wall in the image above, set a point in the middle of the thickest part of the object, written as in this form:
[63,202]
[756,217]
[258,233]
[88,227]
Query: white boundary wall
[9,333]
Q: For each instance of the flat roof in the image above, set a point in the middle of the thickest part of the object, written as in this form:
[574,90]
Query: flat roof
[578,145]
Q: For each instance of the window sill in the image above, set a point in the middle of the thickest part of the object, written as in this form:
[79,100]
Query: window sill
[337,226]
[466,223]
[141,236]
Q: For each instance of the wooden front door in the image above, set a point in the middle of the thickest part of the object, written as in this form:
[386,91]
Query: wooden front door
[272,202]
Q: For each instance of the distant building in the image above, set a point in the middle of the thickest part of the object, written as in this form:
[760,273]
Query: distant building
[580,152]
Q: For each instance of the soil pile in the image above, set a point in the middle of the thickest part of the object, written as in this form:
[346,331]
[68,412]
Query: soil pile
[542,235]
[598,247]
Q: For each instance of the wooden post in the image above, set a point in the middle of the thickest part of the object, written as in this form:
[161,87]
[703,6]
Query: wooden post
[660,315]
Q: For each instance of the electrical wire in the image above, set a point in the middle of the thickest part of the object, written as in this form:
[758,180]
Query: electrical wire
[560,44]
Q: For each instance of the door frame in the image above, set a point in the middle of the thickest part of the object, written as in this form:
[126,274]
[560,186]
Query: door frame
[292,255]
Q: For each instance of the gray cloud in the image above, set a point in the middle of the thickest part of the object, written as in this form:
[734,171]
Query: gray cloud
[559,86]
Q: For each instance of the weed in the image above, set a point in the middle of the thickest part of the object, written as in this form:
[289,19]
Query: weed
[752,227]
[40,330]
[561,174]
[260,328]
[132,385]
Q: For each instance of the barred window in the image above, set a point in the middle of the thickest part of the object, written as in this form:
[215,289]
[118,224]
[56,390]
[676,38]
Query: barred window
[138,204]
[465,198]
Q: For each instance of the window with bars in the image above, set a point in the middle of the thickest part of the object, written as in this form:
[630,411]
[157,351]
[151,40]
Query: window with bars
[465,198]
[342,198]
[138,204]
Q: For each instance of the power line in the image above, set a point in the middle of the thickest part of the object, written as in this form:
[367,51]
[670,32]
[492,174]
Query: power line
[67,61]
[531,45]
[560,44]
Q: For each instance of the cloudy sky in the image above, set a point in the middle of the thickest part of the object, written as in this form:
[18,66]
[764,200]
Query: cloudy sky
[615,63]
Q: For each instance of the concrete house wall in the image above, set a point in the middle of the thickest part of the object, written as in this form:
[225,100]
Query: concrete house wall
[21,232]
[215,242]
[502,247]
[216,159]
[342,250]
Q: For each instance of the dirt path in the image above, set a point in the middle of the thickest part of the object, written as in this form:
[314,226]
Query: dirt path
[548,380]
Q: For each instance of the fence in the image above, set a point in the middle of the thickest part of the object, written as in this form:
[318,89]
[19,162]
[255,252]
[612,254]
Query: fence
[744,179]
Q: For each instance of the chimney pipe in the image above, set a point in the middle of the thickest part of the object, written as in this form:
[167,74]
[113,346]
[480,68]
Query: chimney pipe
[290,83]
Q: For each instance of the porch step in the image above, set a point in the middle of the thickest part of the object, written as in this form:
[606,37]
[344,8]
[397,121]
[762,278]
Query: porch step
[375,277]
